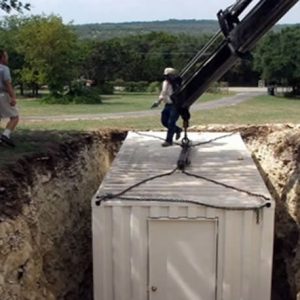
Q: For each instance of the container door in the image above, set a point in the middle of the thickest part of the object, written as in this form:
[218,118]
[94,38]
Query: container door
[182,259]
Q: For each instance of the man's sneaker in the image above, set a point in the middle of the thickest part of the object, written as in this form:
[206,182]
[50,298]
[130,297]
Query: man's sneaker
[7,141]
[166,144]
[178,134]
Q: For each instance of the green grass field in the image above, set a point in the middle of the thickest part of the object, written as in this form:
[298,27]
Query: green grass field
[259,110]
[32,137]
[111,104]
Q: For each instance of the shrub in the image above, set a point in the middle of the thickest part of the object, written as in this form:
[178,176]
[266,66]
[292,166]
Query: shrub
[55,99]
[154,87]
[77,93]
[106,88]
[136,86]
[67,99]
[118,82]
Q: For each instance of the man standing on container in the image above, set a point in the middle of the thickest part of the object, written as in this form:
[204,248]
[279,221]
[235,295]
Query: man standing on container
[7,101]
[169,114]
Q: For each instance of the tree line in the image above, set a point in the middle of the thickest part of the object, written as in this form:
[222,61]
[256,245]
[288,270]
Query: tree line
[44,51]
[105,31]
[277,58]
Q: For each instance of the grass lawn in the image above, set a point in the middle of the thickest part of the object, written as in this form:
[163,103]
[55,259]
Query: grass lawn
[259,110]
[111,104]
[32,137]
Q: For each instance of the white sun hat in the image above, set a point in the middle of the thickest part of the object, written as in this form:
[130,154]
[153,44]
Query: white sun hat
[170,71]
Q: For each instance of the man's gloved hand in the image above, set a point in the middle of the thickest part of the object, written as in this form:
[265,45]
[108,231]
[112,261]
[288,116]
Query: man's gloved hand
[155,104]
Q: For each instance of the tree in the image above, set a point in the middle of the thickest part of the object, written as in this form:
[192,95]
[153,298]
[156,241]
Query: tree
[278,58]
[140,57]
[105,61]
[8,5]
[242,74]
[48,47]
[9,28]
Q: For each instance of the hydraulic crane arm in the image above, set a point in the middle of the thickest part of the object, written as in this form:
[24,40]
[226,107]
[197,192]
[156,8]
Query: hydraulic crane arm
[235,39]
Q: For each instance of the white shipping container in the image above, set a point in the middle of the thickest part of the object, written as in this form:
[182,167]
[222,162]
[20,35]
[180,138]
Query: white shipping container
[180,237]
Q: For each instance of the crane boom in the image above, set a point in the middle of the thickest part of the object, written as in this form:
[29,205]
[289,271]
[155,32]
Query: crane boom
[236,38]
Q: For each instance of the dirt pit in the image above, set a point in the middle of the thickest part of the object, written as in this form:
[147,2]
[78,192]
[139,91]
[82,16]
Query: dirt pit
[45,214]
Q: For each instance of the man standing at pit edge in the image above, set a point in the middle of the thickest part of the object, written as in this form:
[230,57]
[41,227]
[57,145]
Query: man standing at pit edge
[7,101]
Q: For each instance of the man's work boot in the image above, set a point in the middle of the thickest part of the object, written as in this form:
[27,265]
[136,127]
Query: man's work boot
[178,134]
[7,141]
[166,144]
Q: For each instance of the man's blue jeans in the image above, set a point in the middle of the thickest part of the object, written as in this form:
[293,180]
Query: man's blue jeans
[169,117]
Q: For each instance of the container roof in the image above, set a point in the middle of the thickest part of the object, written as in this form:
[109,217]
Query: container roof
[224,160]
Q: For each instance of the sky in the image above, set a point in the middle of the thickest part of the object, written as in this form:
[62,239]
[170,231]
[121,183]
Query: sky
[115,11]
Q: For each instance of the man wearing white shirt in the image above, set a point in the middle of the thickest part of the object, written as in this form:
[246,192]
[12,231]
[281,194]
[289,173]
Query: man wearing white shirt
[169,114]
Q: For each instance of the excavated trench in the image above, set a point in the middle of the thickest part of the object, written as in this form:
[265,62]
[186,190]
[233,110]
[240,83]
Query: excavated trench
[45,212]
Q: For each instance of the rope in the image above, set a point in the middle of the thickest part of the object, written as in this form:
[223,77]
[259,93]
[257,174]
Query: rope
[213,140]
[154,136]
[149,135]
[239,208]
[227,186]
[257,208]
[185,141]
[185,138]
[111,196]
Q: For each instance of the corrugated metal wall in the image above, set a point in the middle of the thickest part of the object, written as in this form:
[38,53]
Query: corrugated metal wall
[244,259]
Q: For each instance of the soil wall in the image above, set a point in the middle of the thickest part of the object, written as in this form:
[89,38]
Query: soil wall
[45,225]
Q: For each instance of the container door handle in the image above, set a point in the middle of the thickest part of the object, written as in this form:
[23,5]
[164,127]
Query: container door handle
[153,288]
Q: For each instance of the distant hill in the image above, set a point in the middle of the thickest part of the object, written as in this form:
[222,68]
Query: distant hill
[110,30]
